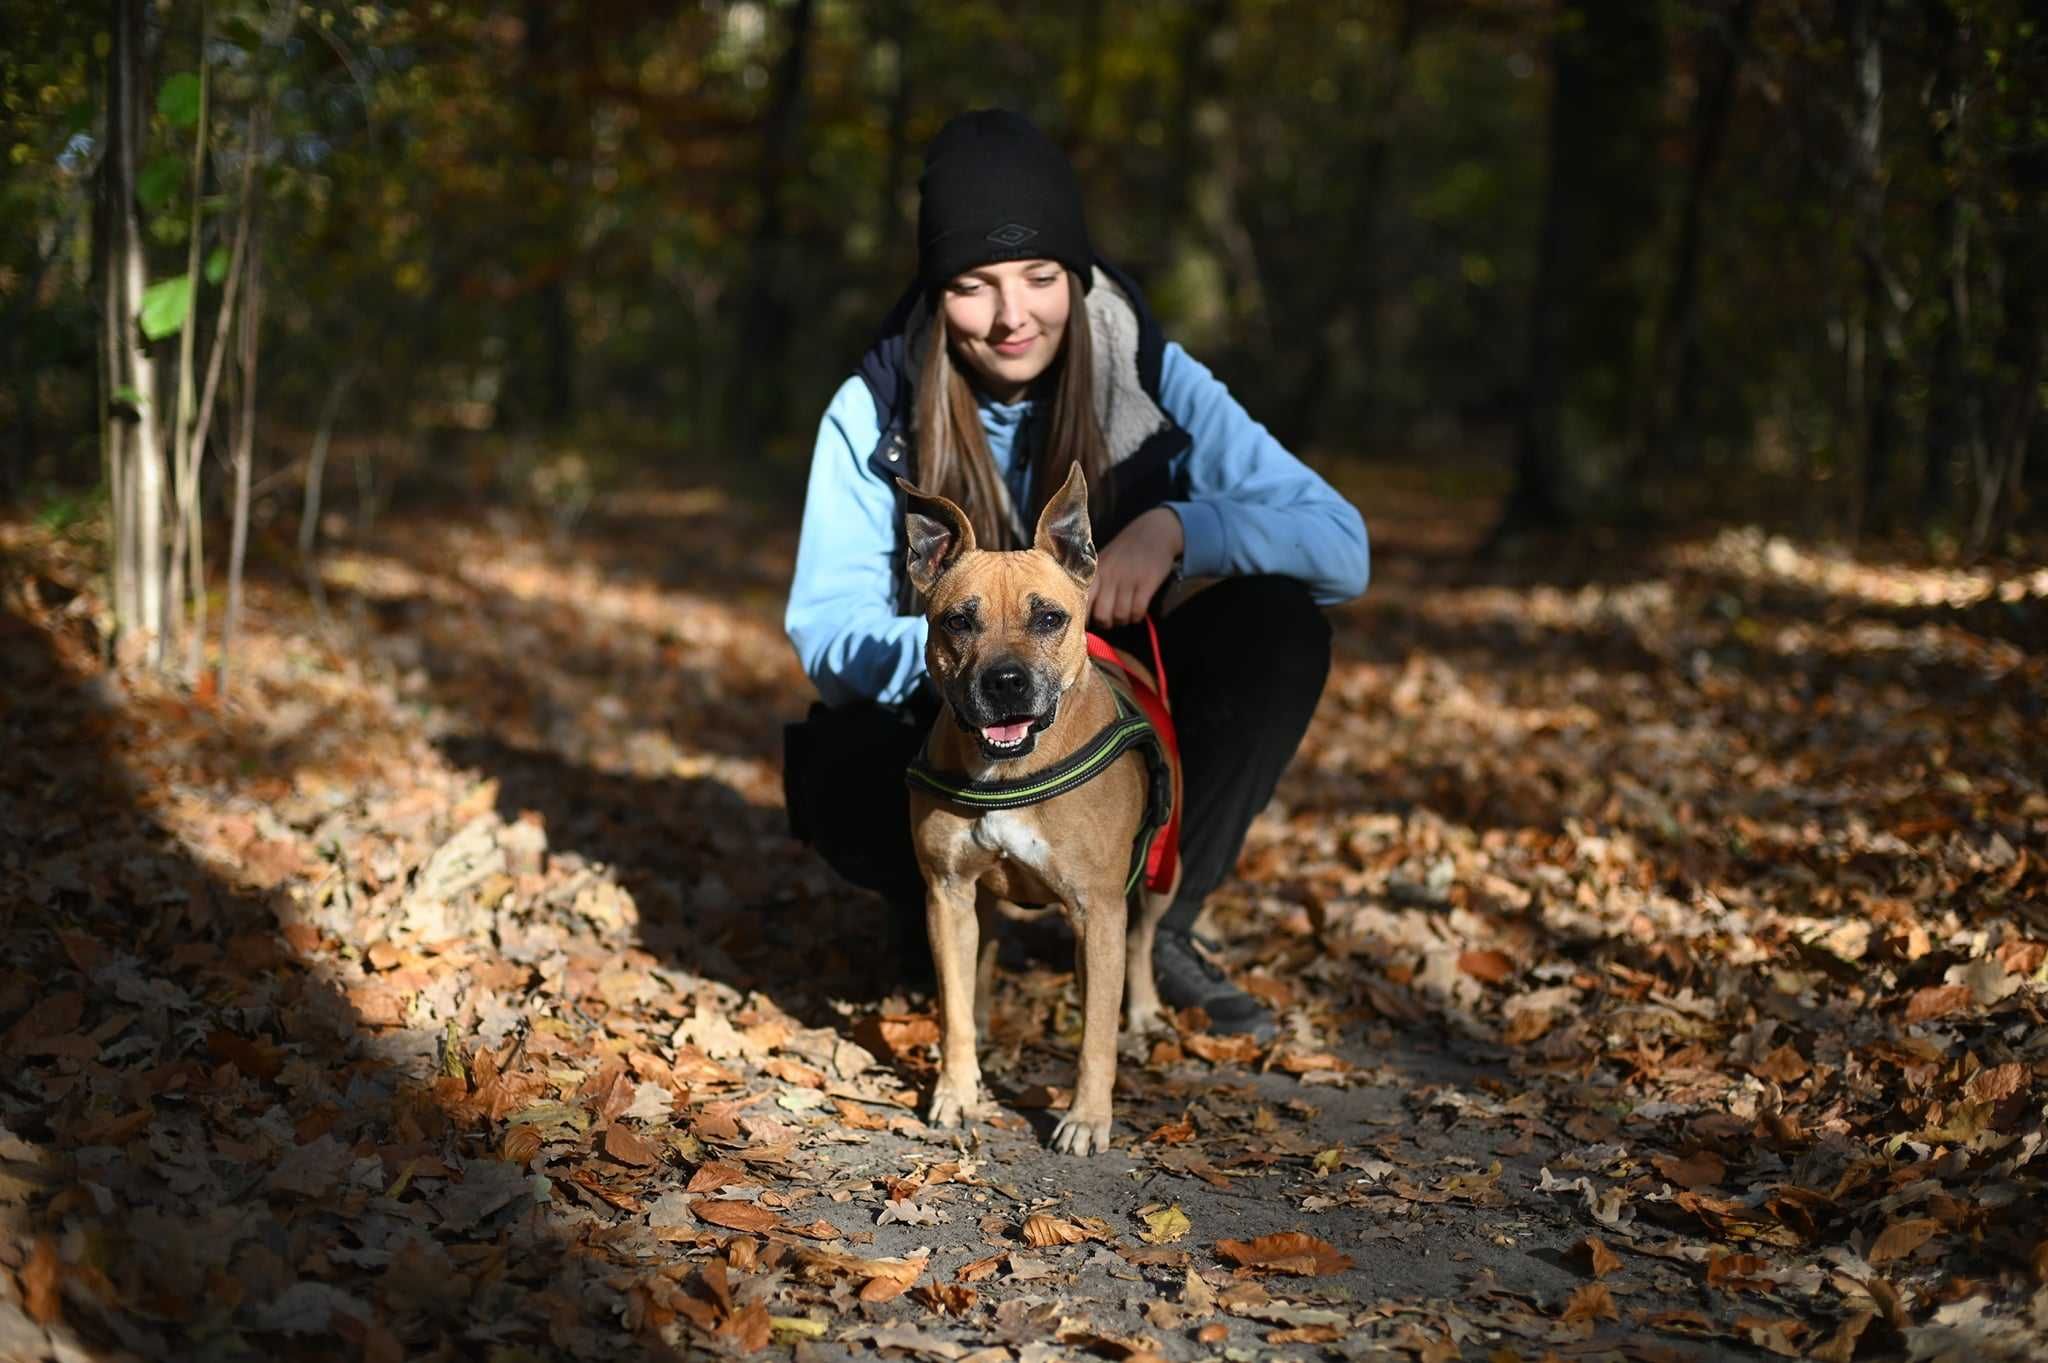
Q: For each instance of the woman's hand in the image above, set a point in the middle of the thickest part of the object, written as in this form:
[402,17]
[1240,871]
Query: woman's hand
[1132,567]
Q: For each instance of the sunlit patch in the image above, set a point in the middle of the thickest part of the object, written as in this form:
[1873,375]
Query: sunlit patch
[1755,556]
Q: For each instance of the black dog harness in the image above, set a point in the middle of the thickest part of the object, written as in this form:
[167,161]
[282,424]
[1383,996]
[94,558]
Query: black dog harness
[1130,729]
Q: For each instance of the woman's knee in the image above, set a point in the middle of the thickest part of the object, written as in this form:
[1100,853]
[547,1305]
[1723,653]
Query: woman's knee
[1267,625]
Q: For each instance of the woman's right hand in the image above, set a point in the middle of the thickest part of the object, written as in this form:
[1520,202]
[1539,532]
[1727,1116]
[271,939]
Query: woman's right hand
[1132,568]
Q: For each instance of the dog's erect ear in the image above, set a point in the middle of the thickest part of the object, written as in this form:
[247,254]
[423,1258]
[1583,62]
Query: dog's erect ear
[938,533]
[1063,528]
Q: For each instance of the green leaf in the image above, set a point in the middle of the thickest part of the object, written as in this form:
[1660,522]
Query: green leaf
[217,265]
[179,100]
[130,396]
[158,182]
[164,305]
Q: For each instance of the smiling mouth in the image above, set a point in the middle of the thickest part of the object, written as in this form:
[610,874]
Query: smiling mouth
[1009,735]
[1014,347]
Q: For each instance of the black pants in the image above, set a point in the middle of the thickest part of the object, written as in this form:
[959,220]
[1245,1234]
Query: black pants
[1245,664]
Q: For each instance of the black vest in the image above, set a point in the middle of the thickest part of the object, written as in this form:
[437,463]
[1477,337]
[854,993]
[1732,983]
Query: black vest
[1141,454]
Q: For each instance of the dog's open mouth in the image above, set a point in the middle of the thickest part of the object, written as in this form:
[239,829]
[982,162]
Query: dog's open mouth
[1011,736]
[1010,733]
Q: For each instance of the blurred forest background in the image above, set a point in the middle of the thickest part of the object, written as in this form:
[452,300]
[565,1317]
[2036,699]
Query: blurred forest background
[1619,261]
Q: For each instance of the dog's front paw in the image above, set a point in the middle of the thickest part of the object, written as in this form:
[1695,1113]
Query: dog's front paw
[1082,1133]
[953,1101]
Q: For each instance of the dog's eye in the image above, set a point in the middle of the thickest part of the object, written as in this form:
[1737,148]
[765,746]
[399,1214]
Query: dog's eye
[1049,621]
[956,622]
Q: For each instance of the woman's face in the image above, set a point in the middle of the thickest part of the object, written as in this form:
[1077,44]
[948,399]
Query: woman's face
[1006,322]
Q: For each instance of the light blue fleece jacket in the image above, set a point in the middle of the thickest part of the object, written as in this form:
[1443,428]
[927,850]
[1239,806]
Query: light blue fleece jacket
[1251,508]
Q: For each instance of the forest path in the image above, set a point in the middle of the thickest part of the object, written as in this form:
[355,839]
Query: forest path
[454,990]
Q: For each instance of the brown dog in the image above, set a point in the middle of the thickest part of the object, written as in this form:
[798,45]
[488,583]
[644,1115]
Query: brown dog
[1008,653]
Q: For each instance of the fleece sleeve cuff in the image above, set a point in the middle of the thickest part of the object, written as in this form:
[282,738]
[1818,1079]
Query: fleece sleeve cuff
[1202,540]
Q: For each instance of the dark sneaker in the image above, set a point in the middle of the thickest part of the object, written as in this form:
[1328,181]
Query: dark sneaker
[1189,979]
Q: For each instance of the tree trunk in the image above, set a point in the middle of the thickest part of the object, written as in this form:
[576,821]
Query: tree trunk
[1671,431]
[1599,205]
[1355,278]
[135,463]
[764,318]
[894,30]
[2020,356]
[1871,324]
[554,241]
[248,333]
[1953,414]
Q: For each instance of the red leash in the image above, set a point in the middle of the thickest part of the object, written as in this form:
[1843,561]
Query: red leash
[1165,855]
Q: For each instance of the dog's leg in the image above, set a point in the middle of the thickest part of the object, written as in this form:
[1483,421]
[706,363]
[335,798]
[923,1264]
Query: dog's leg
[1141,992]
[990,922]
[950,919]
[1099,968]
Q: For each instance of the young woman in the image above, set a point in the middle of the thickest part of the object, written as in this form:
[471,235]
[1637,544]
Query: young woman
[1016,352]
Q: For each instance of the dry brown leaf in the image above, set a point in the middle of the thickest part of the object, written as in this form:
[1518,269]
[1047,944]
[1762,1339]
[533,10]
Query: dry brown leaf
[1488,967]
[1222,1050]
[1999,1083]
[623,1145]
[1588,1303]
[737,1215]
[1938,1001]
[1214,1333]
[898,1036]
[885,1288]
[857,1117]
[1293,1252]
[947,1299]
[1306,1334]
[716,1174]
[1172,1133]
[1901,1238]
[1600,1259]
[1785,1065]
[1040,1230]
[41,1282]
[979,1270]
[749,1328]
[519,1144]
[1701,1169]
[1739,1272]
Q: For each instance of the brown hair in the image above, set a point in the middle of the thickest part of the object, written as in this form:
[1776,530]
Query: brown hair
[953,458]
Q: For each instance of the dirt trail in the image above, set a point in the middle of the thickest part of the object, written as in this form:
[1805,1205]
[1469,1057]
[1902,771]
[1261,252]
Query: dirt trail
[455,992]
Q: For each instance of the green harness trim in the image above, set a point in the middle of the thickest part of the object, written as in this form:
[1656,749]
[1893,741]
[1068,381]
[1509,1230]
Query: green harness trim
[1130,729]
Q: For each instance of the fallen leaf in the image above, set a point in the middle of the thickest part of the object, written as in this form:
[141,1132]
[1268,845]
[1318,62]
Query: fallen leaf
[1999,1082]
[1601,1259]
[947,1299]
[1701,1169]
[1293,1252]
[1901,1238]
[744,1216]
[1040,1230]
[1587,1303]
[628,1148]
[909,1213]
[1306,1334]
[1488,967]
[41,1279]
[979,1270]
[1165,1226]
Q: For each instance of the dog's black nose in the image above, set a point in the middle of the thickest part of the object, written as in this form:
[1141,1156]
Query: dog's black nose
[1006,684]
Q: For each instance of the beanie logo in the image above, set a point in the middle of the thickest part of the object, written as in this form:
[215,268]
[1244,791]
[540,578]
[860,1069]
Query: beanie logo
[1012,234]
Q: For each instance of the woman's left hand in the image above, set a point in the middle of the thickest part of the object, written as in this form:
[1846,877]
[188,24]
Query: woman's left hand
[1132,567]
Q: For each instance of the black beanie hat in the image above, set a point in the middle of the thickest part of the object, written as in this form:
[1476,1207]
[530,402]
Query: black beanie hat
[996,188]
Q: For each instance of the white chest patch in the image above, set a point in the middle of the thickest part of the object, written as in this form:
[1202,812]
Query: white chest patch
[1003,831]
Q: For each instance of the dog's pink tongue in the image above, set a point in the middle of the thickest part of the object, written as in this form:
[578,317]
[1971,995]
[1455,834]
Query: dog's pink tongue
[1006,733]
